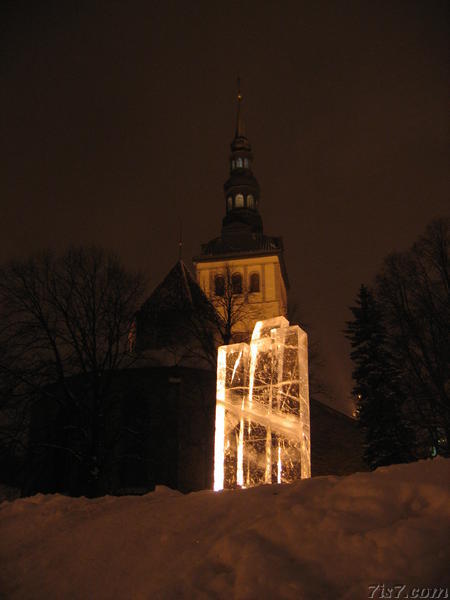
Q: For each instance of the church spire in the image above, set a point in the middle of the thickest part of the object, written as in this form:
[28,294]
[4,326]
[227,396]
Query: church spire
[241,189]
[239,120]
[240,142]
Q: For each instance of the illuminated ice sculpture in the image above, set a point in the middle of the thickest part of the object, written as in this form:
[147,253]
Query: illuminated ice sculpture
[262,408]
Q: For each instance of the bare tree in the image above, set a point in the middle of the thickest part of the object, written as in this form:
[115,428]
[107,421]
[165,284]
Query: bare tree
[414,295]
[401,352]
[64,327]
[234,311]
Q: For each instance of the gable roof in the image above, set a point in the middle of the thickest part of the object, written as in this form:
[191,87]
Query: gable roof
[177,298]
[177,291]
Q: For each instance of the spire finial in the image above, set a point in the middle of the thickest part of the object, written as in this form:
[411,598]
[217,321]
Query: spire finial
[239,122]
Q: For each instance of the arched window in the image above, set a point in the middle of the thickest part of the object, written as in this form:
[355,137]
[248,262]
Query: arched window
[254,282]
[250,201]
[219,285]
[236,283]
[229,202]
[239,163]
[245,163]
[233,164]
[239,201]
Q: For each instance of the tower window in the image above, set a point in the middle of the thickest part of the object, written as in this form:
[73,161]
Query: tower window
[254,282]
[233,164]
[239,163]
[245,163]
[250,201]
[239,201]
[219,285]
[229,202]
[236,283]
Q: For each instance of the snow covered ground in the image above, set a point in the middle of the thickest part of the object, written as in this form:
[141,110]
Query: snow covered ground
[327,538]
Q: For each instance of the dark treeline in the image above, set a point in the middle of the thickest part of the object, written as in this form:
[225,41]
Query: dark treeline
[401,353]
[64,334]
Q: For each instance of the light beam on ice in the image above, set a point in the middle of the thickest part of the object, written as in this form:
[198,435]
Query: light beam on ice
[262,411]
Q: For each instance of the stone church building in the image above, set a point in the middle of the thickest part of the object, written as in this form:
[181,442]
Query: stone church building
[164,407]
[241,271]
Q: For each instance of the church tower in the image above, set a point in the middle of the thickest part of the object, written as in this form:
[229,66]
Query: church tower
[243,262]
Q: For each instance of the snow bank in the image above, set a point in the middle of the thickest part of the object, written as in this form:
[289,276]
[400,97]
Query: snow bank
[327,537]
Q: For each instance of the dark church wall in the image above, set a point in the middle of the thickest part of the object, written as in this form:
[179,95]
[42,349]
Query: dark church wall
[173,409]
[336,442]
[158,430]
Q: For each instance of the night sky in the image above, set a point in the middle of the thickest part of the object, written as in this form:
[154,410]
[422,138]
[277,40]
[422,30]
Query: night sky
[116,120]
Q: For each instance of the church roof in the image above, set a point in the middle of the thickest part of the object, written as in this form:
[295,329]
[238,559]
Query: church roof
[162,318]
[241,244]
[177,291]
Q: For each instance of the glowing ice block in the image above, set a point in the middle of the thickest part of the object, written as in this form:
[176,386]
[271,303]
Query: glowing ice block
[262,408]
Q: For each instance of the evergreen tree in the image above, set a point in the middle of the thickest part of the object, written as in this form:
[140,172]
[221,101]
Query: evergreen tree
[377,386]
